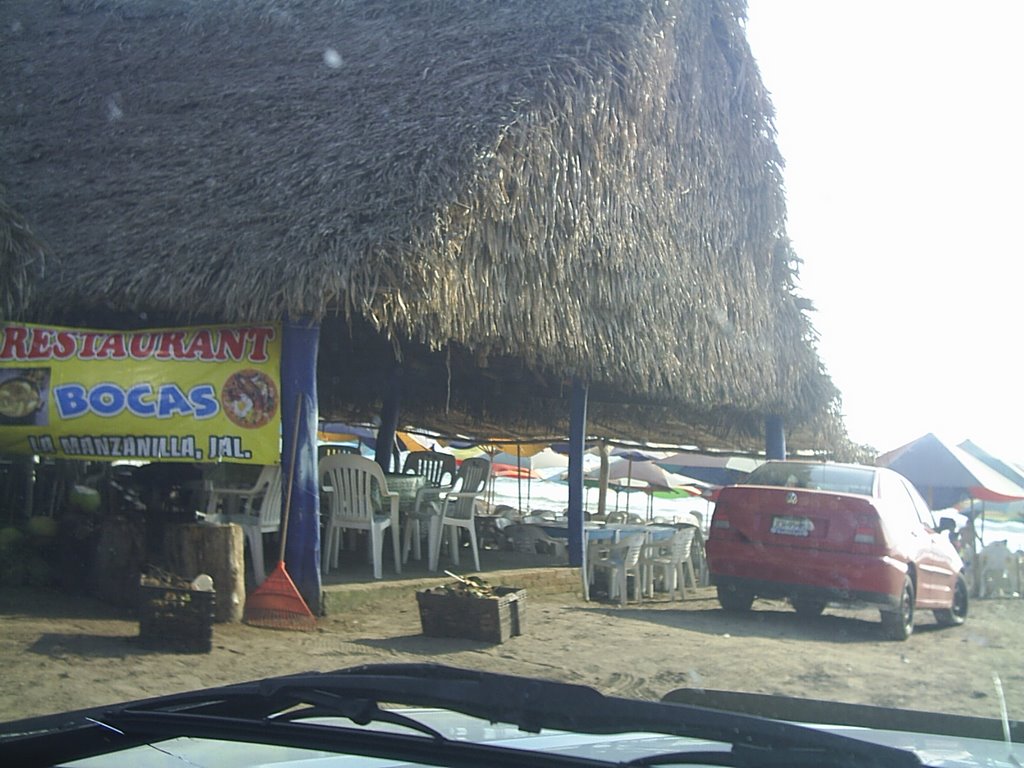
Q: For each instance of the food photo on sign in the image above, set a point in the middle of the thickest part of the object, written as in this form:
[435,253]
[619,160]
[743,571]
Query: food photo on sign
[23,396]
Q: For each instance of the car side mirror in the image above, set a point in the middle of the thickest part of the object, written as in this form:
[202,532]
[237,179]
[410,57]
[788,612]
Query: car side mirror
[947,524]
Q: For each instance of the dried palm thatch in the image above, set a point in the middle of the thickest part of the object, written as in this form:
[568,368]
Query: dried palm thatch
[21,260]
[496,194]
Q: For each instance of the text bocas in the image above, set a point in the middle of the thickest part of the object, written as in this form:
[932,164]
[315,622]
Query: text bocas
[164,402]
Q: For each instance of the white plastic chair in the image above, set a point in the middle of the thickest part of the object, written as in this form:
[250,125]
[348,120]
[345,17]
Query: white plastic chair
[257,509]
[458,509]
[620,560]
[530,539]
[673,560]
[439,469]
[357,488]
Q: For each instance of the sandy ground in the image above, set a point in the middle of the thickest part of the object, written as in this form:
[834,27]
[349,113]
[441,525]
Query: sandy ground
[59,652]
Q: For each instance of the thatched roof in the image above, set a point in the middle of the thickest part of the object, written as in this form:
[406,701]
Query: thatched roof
[22,259]
[498,193]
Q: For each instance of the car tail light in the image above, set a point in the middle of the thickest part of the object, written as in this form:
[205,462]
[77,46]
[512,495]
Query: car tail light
[722,528]
[865,534]
[868,537]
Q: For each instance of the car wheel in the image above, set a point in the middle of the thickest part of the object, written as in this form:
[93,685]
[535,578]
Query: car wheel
[808,606]
[899,624]
[955,615]
[735,599]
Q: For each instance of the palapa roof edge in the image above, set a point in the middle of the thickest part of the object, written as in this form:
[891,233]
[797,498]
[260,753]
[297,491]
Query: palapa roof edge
[578,188]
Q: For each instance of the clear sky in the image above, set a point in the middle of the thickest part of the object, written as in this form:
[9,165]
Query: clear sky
[902,125]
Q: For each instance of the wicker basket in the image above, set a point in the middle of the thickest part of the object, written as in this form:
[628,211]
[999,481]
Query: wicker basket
[489,619]
[172,619]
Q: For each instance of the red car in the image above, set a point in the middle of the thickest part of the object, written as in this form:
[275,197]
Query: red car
[819,533]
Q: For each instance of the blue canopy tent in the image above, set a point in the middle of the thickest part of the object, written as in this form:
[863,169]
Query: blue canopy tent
[717,470]
[1005,468]
[349,433]
[946,474]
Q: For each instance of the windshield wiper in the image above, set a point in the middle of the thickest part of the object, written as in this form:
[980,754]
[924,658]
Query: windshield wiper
[338,739]
[265,711]
[359,711]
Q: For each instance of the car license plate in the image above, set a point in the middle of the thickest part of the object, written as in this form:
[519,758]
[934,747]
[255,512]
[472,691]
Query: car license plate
[792,526]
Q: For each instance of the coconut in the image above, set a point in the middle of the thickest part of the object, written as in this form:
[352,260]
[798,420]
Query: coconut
[10,537]
[42,527]
[84,498]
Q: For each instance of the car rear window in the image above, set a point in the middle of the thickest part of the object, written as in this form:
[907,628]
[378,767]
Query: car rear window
[819,477]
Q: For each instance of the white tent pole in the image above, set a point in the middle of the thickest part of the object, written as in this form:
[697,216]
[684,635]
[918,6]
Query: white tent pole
[519,475]
[629,482]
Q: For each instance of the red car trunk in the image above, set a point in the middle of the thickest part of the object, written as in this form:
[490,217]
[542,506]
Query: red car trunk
[799,519]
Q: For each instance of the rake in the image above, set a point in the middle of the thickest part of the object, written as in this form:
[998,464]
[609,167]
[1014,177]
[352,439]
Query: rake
[276,603]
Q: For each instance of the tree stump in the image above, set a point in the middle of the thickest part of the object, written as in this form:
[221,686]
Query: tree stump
[217,550]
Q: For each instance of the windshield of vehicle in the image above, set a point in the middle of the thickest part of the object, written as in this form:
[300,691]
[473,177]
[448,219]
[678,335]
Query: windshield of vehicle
[818,477]
[464,731]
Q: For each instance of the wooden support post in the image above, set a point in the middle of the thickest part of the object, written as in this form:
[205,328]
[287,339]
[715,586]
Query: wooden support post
[389,421]
[602,482]
[577,437]
[219,552]
[774,438]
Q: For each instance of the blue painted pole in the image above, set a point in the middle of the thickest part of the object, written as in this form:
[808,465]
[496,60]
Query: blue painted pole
[577,437]
[774,438]
[300,344]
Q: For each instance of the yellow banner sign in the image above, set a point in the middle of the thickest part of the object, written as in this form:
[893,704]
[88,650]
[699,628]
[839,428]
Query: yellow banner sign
[173,394]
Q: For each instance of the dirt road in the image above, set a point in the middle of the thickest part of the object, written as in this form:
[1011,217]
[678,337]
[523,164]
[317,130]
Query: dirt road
[60,653]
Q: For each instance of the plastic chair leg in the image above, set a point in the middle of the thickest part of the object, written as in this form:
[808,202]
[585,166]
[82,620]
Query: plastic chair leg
[434,534]
[336,542]
[417,542]
[453,544]
[476,549]
[410,534]
[376,551]
[339,542]
[396,548]
[328,549]
[256,550]
[588,570]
